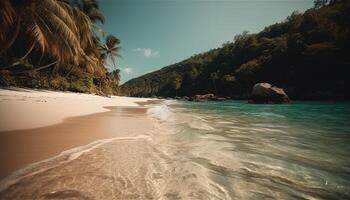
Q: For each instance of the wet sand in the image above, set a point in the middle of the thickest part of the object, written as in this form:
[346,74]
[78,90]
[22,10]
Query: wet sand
[129,168]
[19,148]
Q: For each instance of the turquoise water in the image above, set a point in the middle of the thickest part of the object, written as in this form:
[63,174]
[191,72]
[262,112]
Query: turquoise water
[238,150]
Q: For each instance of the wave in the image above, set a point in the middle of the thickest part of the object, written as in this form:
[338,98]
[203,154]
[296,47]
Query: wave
[62,158]
[170,102]
[227,122]
[268,114]
[269,125]
[161,112]
[201,126]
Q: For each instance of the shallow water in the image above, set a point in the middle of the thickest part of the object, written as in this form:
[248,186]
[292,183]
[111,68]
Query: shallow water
[234,149]
[238,150]
[208,150]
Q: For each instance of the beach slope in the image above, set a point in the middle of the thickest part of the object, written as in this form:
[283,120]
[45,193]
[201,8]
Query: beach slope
[37,125]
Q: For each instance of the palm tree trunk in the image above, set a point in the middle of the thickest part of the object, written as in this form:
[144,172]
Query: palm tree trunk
[23,57]
[29,51]
[44,67]
[33,70]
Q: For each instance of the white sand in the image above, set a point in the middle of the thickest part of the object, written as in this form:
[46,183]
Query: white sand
[25,109]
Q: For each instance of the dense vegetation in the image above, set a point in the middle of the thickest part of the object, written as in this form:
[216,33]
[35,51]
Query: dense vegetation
[56,44]
[307,54]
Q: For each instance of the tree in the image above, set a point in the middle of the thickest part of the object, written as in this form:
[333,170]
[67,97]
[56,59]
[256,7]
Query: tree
[177,84]
[91,9]
[110,49]
[192,73]
[115,76]
[54,27]
[214,76]
[241,36]
[36,35]
[320,3]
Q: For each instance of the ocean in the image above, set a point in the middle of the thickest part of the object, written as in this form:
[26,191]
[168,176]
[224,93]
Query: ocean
[207,150]
[237,150]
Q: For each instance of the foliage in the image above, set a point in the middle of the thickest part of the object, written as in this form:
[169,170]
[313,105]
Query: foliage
[110,49]
[48,42]
[307,54]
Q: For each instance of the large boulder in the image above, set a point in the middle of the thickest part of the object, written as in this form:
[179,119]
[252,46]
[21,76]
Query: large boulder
[265,93]
[261,89]
[278,95]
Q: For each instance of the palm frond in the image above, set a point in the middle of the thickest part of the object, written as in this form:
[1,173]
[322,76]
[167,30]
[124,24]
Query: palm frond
[96,15]
[38,35]
[113,59]
[112,41]
[61,9]
[85,28]
[60,41]
[7,16]
[9,25]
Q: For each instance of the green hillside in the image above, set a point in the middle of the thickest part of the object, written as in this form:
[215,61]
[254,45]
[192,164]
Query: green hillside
[307,54]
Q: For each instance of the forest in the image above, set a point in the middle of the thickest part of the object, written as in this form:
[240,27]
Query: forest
[307,54]
[57,45]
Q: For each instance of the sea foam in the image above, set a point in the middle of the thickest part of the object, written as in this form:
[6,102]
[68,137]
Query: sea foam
[62,158]
[161,112]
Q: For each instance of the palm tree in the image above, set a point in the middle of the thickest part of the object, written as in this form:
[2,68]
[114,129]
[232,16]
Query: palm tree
[54,27]
[56,33]
[110,50]
[9,23]
[91,9]
[115,76]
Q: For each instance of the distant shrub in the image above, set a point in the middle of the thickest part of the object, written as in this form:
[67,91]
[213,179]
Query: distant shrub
[59,83]
[84,85]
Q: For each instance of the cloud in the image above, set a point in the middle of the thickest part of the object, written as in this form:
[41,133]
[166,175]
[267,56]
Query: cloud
[147,52]
[127,70]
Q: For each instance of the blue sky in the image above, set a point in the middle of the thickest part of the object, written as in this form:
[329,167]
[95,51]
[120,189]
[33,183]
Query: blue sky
[157,33]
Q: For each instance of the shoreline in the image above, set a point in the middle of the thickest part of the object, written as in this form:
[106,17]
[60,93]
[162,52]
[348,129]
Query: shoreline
[20,148]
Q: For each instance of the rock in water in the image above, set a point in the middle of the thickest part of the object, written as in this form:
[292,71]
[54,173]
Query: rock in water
[204,97]
[261,89]
[265,93]
[278,95]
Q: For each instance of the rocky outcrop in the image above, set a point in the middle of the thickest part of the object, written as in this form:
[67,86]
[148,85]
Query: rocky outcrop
[206,97]
[278,95]
[218,99]
[266,93]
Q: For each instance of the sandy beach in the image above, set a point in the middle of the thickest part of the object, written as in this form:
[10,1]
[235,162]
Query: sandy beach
[36,125]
